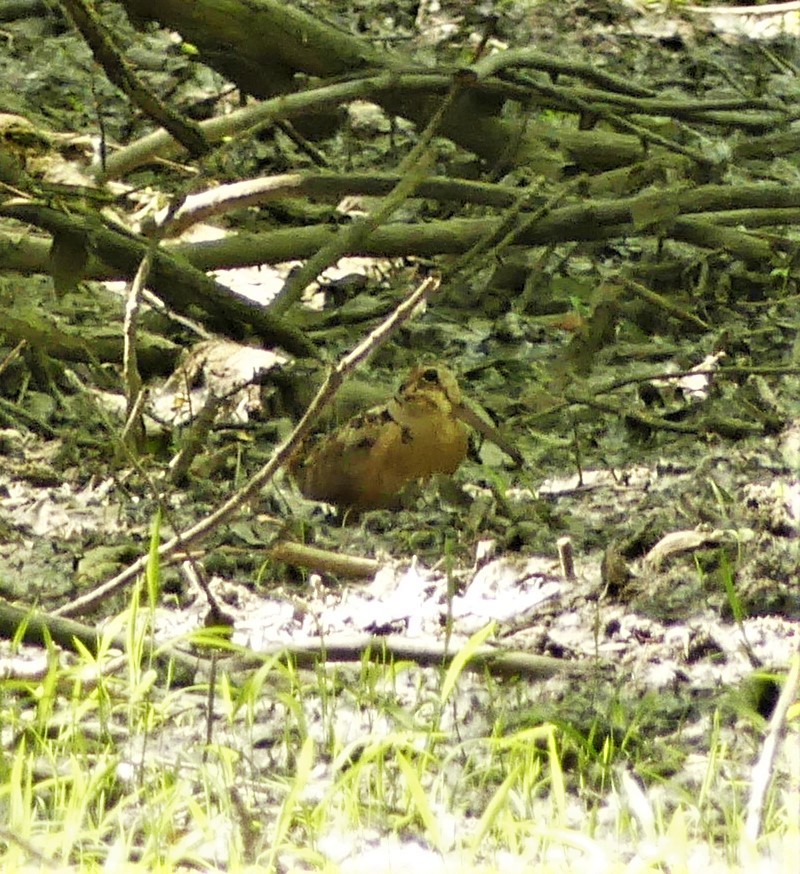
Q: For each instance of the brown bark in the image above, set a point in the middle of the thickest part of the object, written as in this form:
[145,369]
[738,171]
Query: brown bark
[179,284]
[262,45]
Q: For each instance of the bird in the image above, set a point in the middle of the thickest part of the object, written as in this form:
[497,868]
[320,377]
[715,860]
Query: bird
[366,463]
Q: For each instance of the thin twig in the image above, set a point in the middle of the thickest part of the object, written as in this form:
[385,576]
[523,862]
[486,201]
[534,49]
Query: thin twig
[130,362]
[279,457]
[323,560]
[762,772]
[413,170]
[186,131]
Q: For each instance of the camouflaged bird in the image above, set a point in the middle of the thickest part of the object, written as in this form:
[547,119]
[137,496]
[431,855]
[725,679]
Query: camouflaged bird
[367,462]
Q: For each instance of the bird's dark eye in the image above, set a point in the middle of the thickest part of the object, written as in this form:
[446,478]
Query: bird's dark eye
[431,375]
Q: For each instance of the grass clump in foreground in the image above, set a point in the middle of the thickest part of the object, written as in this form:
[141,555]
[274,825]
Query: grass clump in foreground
[104,767]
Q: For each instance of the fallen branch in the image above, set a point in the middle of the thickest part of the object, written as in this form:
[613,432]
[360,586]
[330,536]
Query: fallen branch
[499,662]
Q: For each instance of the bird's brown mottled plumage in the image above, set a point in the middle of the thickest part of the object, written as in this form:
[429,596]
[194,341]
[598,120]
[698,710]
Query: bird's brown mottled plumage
[366,462]
[421,431]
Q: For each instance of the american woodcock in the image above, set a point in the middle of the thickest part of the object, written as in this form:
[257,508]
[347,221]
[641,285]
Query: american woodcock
[364,464]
